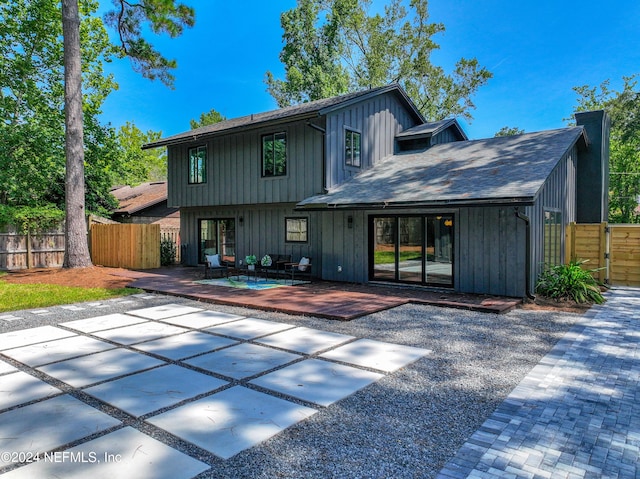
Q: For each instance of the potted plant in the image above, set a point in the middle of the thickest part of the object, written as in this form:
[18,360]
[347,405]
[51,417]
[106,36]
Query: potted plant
[251,261]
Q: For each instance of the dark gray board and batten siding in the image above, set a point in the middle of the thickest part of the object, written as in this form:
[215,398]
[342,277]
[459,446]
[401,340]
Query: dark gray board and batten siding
[378,119]
[262,231]
[234,169]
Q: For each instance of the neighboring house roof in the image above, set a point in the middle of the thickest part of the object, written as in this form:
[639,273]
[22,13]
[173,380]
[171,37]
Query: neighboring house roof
[427,130]
[495,170]
[132,200]
[304,110]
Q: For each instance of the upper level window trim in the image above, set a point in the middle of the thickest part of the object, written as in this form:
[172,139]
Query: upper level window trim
[198,165]
[352,147]
[274,154]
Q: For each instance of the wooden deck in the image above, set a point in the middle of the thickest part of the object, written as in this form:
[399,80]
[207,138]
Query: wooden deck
[341,301]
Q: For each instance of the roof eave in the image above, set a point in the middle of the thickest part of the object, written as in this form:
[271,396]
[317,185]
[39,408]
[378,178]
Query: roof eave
[508,201]
[394,87]
[211,134]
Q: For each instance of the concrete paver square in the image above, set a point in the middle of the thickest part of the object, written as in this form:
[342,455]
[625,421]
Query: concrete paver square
[6,368]
[58,350]
[164,311]
[202,319]
[378,355]
[49,424]
[23,337]
[149,391]
[184,345]
[305,340]
[97,367]
[232,420]
[138,333]
[123,453]
[100,323]
[20,387]
[316,381]
[242,361]
[249,328]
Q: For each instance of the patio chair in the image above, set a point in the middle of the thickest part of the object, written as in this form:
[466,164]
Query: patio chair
[214,265]
[299,270]
[278,262]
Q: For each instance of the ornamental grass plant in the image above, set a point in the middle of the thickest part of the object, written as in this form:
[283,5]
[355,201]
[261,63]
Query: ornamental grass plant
[570,282]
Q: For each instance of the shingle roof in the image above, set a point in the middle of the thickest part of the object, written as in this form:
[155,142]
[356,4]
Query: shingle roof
[309,109]
[430,129]
[510,169]
[131,200]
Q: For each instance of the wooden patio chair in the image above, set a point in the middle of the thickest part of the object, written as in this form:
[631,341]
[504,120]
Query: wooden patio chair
[299,270]
[214,265]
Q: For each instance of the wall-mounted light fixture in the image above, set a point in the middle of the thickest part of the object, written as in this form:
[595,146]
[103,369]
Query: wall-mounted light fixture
[350,222]
[241,220]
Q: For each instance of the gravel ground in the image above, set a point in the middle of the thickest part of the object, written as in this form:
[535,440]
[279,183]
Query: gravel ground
[408,424]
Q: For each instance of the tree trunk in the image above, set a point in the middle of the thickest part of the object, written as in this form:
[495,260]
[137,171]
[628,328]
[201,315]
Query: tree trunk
[77,249]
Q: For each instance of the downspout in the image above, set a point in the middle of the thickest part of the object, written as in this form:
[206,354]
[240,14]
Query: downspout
[527,264]
[324,153]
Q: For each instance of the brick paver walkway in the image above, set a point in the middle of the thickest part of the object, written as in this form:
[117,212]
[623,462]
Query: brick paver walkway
[577,413]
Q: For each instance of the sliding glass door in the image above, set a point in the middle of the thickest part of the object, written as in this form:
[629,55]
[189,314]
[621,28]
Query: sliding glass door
[217,236]
[412,249]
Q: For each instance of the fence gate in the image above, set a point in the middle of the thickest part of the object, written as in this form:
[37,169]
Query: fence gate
[613,248]
[134,246]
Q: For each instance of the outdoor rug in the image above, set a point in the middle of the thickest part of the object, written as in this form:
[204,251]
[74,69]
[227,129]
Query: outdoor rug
[243,282]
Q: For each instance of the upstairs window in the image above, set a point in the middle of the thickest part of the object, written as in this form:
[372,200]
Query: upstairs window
[351,148]
[274,154]
[198,165]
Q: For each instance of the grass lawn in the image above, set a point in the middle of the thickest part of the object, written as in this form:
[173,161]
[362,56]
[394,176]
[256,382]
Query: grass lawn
[28,296]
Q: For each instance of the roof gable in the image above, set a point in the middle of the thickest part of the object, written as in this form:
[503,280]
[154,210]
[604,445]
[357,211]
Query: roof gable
[511,169]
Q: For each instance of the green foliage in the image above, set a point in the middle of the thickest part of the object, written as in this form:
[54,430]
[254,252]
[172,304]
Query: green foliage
[31,219]
[137,165]
[14,297]
[32,149]
[570,281]
[161,16]
[509,131]
[624,161]
[208,118]
[168,252]
[337,47]
[312,53]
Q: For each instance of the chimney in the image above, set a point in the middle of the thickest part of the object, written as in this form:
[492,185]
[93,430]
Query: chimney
[592,188]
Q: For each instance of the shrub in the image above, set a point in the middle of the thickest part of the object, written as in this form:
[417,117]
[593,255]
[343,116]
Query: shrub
[167,252]
[570,281]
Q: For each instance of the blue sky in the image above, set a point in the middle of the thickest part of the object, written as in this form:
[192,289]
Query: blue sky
[536,50]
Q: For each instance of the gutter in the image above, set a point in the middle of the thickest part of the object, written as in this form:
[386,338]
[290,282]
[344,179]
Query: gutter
[527,264]
[506,202]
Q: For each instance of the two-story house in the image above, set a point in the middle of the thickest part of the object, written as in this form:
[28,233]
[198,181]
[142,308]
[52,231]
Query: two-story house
[368,189]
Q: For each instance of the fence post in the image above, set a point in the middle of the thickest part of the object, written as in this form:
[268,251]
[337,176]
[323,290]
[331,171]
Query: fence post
[570,242]
[603,273]
[29,262]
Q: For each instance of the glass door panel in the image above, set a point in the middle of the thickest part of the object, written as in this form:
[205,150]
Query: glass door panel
[410,250]
[439,250]
[218,236]
[384,248]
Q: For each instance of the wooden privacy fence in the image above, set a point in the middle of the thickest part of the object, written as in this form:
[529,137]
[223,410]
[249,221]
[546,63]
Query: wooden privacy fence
[31,250]
[134,246]
[612,247]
